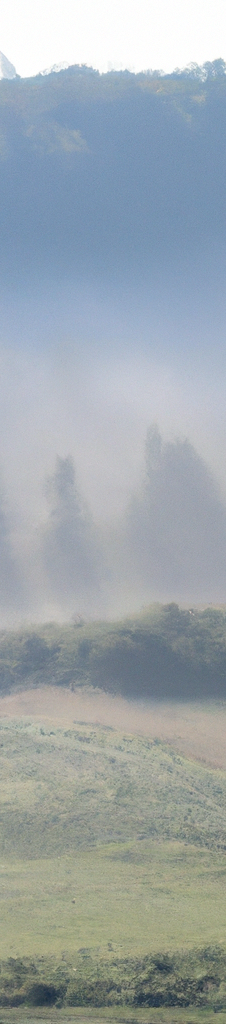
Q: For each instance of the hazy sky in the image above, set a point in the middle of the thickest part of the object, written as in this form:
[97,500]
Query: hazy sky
[139,35]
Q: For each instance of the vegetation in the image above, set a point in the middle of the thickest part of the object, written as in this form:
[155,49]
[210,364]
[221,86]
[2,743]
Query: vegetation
[197,978]
[85,149]
[166,652]
[122,1015]
[63,790]
[112,872]
[112,846]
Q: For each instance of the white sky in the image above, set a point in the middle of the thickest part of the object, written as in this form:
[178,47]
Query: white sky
[138,34]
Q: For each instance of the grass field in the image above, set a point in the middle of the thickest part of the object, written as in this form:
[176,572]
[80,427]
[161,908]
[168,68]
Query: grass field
[112,851]
[153,1016]
[73,1016]
[126,900]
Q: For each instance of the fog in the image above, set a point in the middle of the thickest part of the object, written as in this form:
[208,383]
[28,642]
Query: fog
[112,450]
[96,519]
[112,343]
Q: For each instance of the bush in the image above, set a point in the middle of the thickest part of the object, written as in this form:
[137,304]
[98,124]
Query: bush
[41,994]
[96,993]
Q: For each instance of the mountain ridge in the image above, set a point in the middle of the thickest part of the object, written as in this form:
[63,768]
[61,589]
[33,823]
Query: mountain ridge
[7,70]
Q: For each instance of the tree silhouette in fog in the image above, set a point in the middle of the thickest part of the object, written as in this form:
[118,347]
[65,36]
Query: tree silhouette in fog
[70,546]
[12,590]
[177,523]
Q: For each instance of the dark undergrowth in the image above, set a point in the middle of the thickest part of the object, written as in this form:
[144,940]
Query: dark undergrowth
[164,653]
[196,978]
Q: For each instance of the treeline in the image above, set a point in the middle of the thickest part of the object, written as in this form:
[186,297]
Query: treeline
[196,978]
[170,539]
[164,653]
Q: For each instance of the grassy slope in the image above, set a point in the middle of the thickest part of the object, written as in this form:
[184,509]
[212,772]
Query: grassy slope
[67,790]
[112,848]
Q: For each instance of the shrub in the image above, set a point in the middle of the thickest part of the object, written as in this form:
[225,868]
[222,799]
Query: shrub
[41,994]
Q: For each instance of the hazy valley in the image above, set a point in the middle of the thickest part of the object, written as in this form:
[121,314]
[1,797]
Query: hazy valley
[113,547]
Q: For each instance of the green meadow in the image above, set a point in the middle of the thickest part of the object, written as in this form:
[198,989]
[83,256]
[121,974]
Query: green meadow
[163,1016]
[191,1016]
[125,900]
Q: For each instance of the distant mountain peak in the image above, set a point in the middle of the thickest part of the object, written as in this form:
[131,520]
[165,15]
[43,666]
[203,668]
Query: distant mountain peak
[7,69]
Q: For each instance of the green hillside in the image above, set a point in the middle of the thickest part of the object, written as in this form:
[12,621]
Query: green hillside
[69,790]
[112,872]
[112,846]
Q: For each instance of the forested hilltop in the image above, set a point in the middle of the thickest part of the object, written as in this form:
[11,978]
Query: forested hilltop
[163,653]
[98,166]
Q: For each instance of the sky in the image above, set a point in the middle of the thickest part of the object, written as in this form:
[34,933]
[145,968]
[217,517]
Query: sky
[138,35]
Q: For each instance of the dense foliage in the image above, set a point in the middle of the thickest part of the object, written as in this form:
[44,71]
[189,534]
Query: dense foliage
[197,978]
[166,652]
